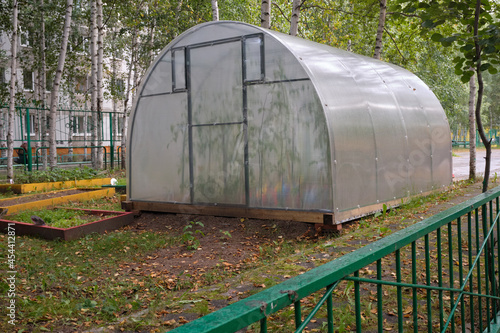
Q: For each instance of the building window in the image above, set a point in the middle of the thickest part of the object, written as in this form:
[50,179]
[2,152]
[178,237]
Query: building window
[32,120]
[118,87]
[79,44]
[28,80]
[82,124]
[49,82]
[24,37]
[120,124]
[81,84]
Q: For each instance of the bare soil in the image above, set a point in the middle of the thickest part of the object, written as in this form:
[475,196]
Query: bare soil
[226,243]
[247,236]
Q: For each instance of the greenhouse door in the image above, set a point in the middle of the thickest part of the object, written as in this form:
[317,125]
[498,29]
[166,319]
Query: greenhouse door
[217,123]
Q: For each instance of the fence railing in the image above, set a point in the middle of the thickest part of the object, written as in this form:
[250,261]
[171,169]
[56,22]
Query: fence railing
[438,275]
[73,129]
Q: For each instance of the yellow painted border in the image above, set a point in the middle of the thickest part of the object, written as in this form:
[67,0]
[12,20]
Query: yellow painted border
[91,194]
[27,188]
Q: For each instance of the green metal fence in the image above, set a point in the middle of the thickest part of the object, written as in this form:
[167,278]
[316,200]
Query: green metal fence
[73,128]
[438,275]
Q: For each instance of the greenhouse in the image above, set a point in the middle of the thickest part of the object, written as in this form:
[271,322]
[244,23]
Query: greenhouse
[236,120]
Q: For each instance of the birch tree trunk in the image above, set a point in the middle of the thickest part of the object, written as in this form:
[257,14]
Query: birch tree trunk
[12,102]
[265,14]
[127,98]
[42,127]
[177,16]
[114,97]
[215,10]
[100,98]
[472,129]
[294,22]
[55,89]
[380,30]
[93,81]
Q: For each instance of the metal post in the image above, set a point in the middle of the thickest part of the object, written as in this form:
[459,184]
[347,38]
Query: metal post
[111,143]
[28,135]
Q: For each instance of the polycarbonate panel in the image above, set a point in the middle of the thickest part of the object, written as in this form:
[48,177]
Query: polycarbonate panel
[289,155]
[367,126]
[159,147]
[418,155]
[280,63]
[253,58]
[439,132]
[218,164]
[160,79]
[389,132]
[179,69]
[216,83]
[352,134]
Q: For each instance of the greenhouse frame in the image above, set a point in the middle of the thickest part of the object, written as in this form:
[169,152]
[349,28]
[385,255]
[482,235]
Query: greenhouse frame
[236,120]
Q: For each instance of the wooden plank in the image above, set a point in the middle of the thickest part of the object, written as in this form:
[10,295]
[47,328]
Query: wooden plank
[111,223]
[231,211]
[33,187]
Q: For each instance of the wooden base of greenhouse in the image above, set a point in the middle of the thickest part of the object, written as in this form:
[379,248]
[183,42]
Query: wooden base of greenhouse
[325,219]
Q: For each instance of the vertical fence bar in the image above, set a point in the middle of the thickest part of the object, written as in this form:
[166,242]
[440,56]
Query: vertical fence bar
[479,300]
[298,313]
[380,317]
[414,282]
[357,303]
[450,273]
[428,282]
[497,201]
[471,280]
[28,140]
[263,325]
[329,310]
[440,278]
[111,142]
[461,272]
[399,291]
[492,264]
[484,214]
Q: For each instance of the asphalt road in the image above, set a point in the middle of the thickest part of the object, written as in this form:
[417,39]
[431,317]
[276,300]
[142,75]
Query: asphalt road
[461,163]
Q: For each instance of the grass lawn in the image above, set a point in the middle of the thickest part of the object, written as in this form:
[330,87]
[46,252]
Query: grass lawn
[113,280]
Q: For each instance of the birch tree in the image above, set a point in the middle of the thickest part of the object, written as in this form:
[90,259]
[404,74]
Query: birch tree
[57,81]
[265,15]
[93,80]
[12,102]
[215,11]
[294,22]
[380,29]
[100,99]
[41,128]
[128,91]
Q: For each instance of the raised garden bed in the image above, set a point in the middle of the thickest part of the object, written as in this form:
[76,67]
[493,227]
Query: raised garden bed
[112,220]
[36,201]
[27,188]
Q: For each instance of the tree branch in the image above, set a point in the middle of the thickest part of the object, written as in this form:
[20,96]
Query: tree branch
[281,11]
[395,44]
